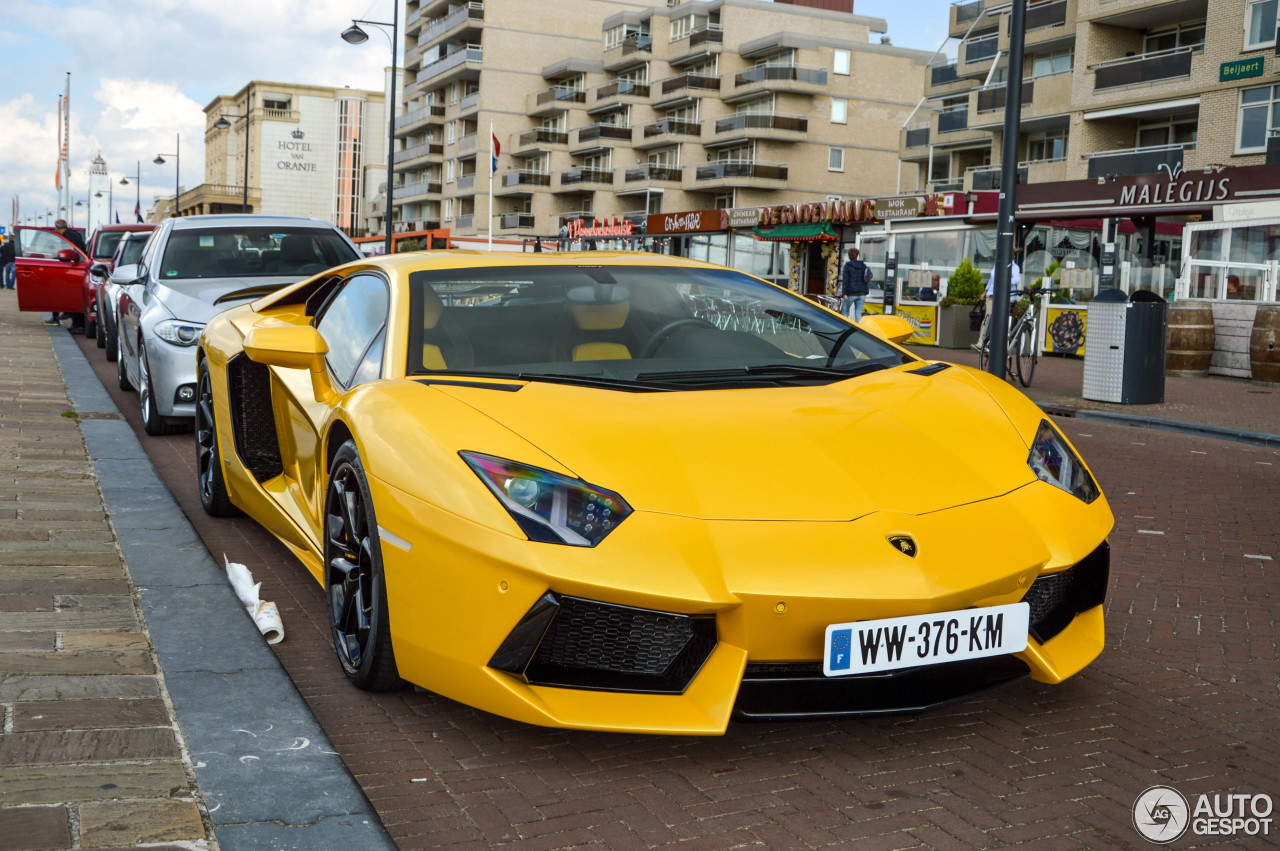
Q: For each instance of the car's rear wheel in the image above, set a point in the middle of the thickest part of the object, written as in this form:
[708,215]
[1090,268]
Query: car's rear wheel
[109,330]
[209,477]
[152,422]
[354,580]
[122,374]
[90,319]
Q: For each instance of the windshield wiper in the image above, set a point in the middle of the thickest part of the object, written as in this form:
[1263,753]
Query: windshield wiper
[598,381]
[766,371]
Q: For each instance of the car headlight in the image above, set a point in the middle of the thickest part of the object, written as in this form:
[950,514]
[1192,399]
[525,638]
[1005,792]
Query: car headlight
[549,507]
[178,332]
[1052,461]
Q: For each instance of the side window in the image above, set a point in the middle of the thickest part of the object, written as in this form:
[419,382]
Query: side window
[370,368]
[351,322]
[40,243]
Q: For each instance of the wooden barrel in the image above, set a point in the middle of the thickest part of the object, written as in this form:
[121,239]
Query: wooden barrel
[1190,338]
[1264,346]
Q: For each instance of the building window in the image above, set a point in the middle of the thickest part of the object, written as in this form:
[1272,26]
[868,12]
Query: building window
[1047,147]
[1183,35]
[940,172]
[724,201]
[1167,132]
[1257,116]
[839,111]
[350,165]
[449,166]
[448,209]
[451,132]
[835,159]
[1260,24]
[1047,64]
[840,65]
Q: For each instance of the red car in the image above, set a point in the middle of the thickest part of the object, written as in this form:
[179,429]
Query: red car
[102,249]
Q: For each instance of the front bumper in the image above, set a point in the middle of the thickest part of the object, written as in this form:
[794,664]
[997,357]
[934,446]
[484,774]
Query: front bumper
[459,590]
[172,367]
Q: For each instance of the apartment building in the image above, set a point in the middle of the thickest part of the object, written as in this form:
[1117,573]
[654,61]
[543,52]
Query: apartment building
[1110,88]
[620,109]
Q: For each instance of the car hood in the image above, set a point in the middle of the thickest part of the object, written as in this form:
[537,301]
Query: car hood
[892,441]
[194,300]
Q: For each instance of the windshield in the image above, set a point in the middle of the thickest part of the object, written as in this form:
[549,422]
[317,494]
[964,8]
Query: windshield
[105,247]
[653,327]
[249,252]
[132,250]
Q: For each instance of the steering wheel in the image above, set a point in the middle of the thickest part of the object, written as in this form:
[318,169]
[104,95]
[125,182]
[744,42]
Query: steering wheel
[660,336]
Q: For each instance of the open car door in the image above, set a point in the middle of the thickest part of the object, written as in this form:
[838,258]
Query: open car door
[50,272]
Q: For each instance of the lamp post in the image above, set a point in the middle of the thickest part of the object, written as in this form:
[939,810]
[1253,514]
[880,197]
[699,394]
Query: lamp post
[355,35]
[79,203]
[137,183]
[223,124]
[177,165]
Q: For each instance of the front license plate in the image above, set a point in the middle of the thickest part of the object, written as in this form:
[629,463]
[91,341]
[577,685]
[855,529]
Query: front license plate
[883,645]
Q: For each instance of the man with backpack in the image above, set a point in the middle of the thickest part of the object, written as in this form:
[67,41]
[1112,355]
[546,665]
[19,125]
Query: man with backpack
[855,281]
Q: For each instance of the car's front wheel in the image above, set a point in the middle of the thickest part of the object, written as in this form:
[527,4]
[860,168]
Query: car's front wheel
[354,579]
[100,327]
[90,319]
[122,374]
[152,422]
[209,478]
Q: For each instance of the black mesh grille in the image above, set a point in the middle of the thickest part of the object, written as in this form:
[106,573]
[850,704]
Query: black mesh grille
[605,646]
[253,418]
[1057,598]
[1047,593]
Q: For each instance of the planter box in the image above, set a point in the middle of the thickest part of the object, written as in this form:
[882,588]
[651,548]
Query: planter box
[953,327]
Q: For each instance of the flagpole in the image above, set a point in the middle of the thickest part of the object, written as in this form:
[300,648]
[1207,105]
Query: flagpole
[493,166]
[66,144]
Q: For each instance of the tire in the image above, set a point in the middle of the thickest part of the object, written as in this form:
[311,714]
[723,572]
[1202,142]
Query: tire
[99,327]
[122,375]
[209,476]
[113,350]
[1025,355]
[90,319]
[152,423]
[354,583]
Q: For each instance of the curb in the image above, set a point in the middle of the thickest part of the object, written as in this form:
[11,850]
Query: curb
[1253,438]
[267,771]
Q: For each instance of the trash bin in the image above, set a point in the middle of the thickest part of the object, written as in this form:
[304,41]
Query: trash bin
[1125,346]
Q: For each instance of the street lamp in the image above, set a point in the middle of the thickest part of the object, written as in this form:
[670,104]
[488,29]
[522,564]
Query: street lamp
[177,165]
[223,124]
[355,35]
[137,183]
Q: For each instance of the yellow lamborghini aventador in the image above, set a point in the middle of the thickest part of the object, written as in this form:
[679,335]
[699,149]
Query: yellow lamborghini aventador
[623,491]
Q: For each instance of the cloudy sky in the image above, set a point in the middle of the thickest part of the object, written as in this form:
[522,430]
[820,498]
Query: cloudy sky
[143,70]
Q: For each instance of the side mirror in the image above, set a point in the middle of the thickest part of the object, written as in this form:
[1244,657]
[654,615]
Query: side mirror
[292,347]
[892,328]
[125,275]
[69,255]
[99,270]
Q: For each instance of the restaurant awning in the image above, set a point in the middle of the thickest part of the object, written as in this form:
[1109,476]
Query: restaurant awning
[798,232]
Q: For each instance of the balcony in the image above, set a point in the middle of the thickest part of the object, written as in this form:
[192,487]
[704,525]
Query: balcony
[566,216]
[467,142]
[951,120]
[552,100]
[993,98]
[418,152]
[797,79]
[1136,160]
[963,16]
[634,49]
[666,132]
[988,177]
[539,139]
[1040,15]
[467,222]
[419,190]
[740,172]
[523,182]
[683,87]
[1147,68]
[579,176]
[467,184]
[702,41]
[916,137]
[614,92]
[593,136]
[979,50]
[516,221]
[427,114]
[472,12]
[941,75]
[469,103]
[760,125]
[652,173]
[462,61]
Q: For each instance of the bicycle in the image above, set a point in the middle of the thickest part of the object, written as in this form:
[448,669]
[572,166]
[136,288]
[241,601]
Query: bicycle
[1021,346]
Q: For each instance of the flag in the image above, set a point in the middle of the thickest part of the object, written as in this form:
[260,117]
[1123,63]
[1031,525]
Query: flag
[137,211]
[494,151]
[117,217]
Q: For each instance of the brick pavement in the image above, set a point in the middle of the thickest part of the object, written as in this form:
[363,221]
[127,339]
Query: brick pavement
[90,755]
[1185,694]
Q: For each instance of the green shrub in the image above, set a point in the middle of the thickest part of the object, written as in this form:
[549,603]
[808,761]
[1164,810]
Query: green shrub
[965,285]
[407,245]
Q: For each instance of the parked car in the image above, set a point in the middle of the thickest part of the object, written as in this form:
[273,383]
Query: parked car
[50,271]
[128,251]
[102,248]
[192,269]
[628,492]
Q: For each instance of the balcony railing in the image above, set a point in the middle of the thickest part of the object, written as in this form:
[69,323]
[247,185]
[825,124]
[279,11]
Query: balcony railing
[416,151]
[953,119]
[949,185]
[543,136]
[573,215]
[995,97]
[940,75]
[434,110]
[650,171]
[989,178]
[564,94]
[1136,160]
[672,127]
[1046,15]
[423,187]
[978,49]
[710,34]
[917,137]
[573,176]
[741,168]
[689,81]
[966,12]
[470,53]
[591,132]
[471,101]
[526,178]
[466,182]
[1147,68]
[466,222]
[467,142]
[515,220]
[774,73]
[761,121]
[622,87]
[472,11]
[637,43]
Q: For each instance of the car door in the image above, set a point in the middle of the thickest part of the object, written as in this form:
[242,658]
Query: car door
[50,272]
[353,324]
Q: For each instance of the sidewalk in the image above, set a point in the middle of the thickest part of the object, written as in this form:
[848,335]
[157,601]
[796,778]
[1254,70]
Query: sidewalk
[139,703]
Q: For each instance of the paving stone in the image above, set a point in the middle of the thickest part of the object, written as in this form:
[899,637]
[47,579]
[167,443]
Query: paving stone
[97,714]
[61,747]
[97,639]
[33,640]
[47,784]
[24,687]
[81,662]
[138,822]
[34,828]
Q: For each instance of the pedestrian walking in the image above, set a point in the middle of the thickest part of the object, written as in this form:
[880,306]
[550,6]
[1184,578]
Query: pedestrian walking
[855,282]
[7,257]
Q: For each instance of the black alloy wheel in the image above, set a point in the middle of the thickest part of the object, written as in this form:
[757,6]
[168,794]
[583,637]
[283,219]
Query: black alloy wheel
[209,475]
[122,374]
[109,329]
[354,579]
[152,422]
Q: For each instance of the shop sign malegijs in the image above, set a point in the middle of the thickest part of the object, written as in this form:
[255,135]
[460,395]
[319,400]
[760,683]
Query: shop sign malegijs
[854,211]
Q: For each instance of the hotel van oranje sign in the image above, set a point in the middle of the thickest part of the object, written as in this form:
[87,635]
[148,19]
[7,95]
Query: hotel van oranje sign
[833,212]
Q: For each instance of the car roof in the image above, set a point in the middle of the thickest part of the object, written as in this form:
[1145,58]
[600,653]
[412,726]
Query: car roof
[242,220]
[140,226]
